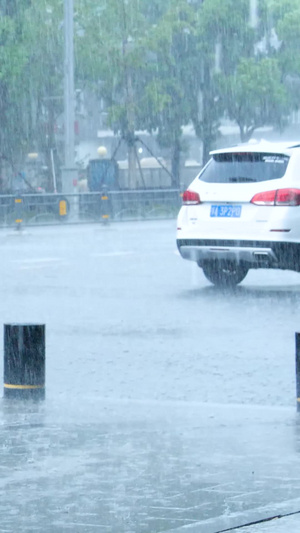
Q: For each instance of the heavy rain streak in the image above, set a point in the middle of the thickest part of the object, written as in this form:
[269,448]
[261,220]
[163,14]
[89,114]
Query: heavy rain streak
[150,266]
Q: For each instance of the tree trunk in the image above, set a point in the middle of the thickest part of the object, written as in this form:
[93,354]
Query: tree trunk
[242,134]
[131,167]
[206,147]
[245,134]
[176,164]
[207,117]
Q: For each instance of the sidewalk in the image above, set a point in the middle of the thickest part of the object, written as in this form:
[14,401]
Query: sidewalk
[284,525]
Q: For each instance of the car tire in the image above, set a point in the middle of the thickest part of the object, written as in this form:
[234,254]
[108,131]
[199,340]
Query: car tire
[224,273]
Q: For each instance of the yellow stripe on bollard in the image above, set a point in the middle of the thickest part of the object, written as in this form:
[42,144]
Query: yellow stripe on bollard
[10,386]
[18,200]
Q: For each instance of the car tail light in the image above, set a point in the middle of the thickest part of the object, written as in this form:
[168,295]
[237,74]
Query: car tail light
[264,198]
[287,197]
[282,197]
[190,198]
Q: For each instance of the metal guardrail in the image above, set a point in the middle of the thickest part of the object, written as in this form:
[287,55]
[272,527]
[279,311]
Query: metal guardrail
[37,209]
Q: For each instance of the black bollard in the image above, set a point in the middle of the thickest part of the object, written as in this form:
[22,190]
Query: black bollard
[24,361]
[298,370]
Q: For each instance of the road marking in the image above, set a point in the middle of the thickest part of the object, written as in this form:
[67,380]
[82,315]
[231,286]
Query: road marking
[38,260]
[43,262]
[89,525]
[33,267]
[111,254]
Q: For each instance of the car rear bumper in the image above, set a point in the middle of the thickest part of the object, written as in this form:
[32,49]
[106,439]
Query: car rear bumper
[256,254]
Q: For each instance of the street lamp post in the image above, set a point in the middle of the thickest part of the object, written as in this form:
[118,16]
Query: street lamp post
[69,114]
[127,46]
[69,172]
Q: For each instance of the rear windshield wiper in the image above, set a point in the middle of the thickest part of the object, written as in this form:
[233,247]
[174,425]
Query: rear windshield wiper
[241,179]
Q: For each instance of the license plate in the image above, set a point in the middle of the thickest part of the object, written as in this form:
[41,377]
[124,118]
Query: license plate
[226,211]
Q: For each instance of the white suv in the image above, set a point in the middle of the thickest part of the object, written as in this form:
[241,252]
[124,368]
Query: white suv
[243,211]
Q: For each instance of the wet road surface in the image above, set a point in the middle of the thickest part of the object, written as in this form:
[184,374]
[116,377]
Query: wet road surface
[169,403]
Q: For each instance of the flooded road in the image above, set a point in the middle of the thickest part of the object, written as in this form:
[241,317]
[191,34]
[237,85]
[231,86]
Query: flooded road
[168,402]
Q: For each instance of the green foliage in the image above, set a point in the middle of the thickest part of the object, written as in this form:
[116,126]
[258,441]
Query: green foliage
[254,95]
[286,19]
[13,58]
[227,22]
[12,55]
[288,31]
[139,53]
[154,64]
[280,8]
[31,71]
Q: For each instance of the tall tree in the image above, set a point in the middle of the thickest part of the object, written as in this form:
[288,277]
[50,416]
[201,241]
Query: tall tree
[139,51]
[165,93]
[285,17]
[31,71]
[254,96]
[43,80]
[223,37]
[166,63]
[110,59]
[13,60]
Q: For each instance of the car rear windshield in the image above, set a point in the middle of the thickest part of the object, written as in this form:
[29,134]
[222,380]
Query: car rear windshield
[244,167]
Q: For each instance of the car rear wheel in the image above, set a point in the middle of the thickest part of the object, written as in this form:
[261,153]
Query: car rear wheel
[224,273]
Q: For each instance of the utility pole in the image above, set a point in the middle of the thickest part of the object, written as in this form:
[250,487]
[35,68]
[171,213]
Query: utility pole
[130,120]
[127,46]
[253,13]
[69,171]
[69,93]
